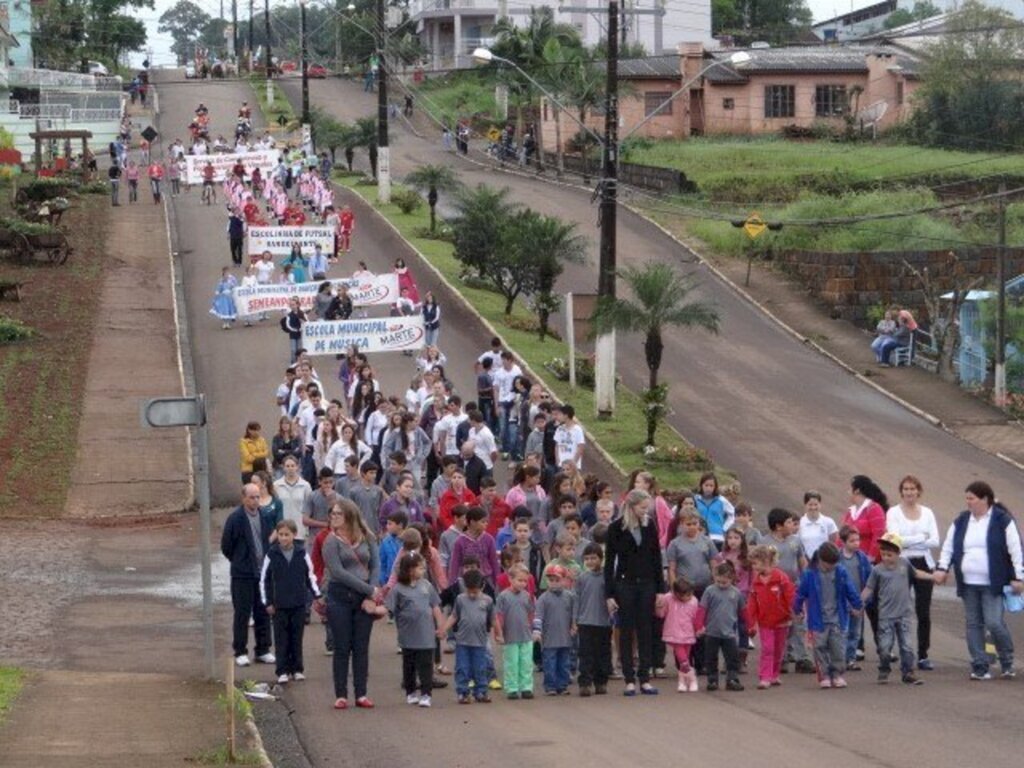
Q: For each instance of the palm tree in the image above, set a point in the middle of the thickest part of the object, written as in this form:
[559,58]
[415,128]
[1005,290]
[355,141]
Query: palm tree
[482,215]
[433,178]
[551,242]
[365,135]
[661,300]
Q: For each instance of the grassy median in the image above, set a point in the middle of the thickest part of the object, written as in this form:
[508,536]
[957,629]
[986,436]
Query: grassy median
[624,435]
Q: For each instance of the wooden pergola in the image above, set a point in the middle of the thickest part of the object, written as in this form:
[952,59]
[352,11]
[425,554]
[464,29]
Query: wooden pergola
[40,136]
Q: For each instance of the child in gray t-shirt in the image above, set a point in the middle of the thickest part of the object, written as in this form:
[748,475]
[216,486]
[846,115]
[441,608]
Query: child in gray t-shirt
[554,626]
[515,619]
[888,587]
[689,555]
[416,607]
[473,618]
[722,604]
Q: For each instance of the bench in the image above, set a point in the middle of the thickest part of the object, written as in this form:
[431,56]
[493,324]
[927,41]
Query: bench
[9,288]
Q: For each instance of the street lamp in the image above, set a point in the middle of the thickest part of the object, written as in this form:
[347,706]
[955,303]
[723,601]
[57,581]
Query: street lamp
[604,373]
[383,152]
[307,129]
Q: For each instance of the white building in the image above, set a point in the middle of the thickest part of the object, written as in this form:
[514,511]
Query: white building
[451,29]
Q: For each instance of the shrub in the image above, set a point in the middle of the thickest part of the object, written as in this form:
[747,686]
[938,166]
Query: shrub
[12,330]
[531,325]
[559,368]
[407,200]
[94,188]
[680,456]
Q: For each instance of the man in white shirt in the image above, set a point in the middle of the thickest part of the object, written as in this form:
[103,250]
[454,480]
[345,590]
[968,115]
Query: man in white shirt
[504,395]
[494,353]
[284,389]
[569,437]
[447,427]
[484,446]
[293,492]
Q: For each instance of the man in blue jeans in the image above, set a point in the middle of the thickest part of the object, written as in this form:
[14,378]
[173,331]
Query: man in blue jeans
[505,396]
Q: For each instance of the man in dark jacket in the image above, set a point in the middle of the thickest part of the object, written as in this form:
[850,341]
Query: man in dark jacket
[244,541]
[236,236]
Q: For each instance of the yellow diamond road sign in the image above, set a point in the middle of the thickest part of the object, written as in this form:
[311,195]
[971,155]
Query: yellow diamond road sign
[754,226]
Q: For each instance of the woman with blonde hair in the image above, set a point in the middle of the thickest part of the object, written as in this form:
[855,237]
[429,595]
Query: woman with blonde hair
[633,578]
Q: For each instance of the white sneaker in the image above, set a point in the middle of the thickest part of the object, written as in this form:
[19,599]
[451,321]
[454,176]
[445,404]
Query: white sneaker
[242,661]
[412,699]
[282,679]
[424,701]
[298,677]
[267,658]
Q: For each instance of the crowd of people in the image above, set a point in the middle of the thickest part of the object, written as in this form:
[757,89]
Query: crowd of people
[393,505]
[467,521]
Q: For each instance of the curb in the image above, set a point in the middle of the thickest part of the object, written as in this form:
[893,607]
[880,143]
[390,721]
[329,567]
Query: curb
[591,440]
[253,734]
[935,421]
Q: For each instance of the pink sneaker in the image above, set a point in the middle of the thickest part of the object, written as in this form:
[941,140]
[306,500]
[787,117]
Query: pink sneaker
[825,683]
[839,682]
[763,685]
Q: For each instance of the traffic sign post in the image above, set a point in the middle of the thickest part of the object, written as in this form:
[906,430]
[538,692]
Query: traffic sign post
[163,412]
[754,226]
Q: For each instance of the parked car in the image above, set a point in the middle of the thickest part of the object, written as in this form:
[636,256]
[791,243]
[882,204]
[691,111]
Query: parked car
[190,71]
[317,71]
[288,66]
[97,68]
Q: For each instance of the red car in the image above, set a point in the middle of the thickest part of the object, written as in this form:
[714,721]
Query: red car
[288,66]
[317,71]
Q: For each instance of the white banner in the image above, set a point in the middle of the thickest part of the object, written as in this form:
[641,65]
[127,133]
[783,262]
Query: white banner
[386,334]
[372,291]
[279,240]
[264,159]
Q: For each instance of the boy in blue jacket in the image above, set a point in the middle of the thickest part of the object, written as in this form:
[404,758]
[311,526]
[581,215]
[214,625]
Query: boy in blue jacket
[830,598]
[391,544]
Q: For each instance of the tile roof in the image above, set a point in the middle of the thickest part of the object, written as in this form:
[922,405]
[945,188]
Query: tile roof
[792,59]
[658,67]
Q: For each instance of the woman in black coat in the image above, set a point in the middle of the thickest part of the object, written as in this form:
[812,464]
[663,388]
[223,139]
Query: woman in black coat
[633,578]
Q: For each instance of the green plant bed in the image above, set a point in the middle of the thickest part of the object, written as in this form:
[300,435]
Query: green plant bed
[11,681]
[27,228]
[623,436]
[95,188]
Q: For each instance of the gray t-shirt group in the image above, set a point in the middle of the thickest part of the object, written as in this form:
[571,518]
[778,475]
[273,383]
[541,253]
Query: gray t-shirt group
[722,606]
[591,604]
[790,551]
[692,558]
[515,609]
[413,608]
[892,588]
[474,618]
[555,610]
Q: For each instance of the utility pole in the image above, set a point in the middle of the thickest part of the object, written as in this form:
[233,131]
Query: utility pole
[304,53]
[1000,377]
[234,29]
[383,158]
[604,385]
[269,59]
[250,34]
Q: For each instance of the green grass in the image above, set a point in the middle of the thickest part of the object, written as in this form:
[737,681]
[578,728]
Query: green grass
[11,681]
[775,169]
[460,95]
[272,112]
[622,436]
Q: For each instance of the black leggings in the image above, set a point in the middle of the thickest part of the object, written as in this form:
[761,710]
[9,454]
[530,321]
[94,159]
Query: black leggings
[636,612]
[418,663]
[923,608]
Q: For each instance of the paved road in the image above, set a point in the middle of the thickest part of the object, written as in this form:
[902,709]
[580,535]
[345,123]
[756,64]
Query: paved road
[781,416]
[796,726]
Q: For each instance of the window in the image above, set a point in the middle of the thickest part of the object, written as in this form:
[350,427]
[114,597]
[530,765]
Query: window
[830,100]
[899,92]
[779,100]
[654,99]
[728,103]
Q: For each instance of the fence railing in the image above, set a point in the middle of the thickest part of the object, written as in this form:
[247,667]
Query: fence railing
[28,77]
[94,114]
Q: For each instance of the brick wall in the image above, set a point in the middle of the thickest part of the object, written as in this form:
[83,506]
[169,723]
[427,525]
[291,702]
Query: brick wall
[850,283]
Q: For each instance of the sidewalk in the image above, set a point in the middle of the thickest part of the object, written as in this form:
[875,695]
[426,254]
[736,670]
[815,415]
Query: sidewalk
[122,467]
[108,720]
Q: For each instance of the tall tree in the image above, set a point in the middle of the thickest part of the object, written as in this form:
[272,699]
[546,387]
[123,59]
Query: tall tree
[775,21]
[548,242]
[184,22]
[971,94]
[482,213]
[433,179]
[661,300]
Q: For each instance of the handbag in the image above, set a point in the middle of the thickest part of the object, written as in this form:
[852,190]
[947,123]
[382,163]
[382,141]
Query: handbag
[1012,602]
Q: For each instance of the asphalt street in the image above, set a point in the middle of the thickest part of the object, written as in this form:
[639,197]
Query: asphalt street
[780,415]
